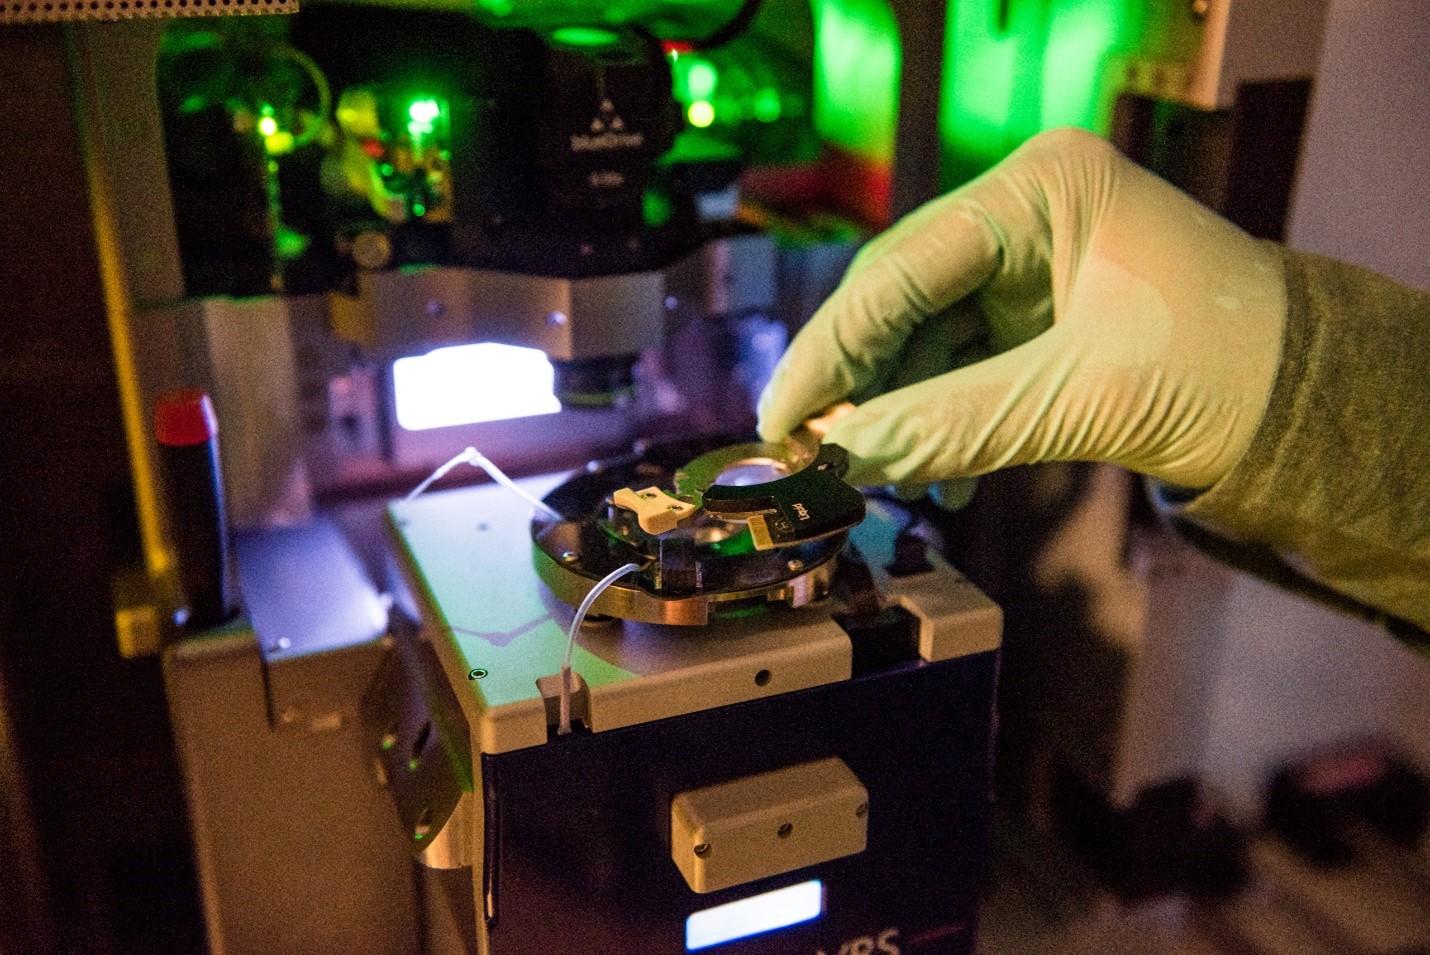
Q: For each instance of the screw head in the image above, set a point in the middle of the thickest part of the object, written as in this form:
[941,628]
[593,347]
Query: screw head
[702,850]
[784,831]
[861,810]
[557,319]
[476,673]
[795,565]
[371,250]
[568,557]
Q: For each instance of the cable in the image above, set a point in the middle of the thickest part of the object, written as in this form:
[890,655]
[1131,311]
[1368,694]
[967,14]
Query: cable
[480,461]
[601,587]
[732,28]
[320,84]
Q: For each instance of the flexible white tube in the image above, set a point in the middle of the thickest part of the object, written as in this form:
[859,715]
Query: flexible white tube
[480,461]
[564,726]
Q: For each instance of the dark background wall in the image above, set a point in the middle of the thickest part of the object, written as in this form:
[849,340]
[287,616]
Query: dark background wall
[108,868]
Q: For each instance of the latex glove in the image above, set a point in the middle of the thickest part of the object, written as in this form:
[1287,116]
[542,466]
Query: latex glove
[1067,305]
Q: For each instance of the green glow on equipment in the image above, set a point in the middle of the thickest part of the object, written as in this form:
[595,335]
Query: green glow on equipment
[741,543]
[1014,69]
[767,106]
[423,114]
[656,208]
[424,111]
[856,75]
[289,243]
[276,140]
[281,143]
[693,77]
[586,37]
[701,113]
[700,78]
[1081,35]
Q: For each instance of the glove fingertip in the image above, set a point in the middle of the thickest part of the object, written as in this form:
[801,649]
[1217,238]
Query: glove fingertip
[776,416]
[771,432]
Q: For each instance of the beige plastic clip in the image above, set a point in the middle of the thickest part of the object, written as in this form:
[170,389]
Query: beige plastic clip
[656,510]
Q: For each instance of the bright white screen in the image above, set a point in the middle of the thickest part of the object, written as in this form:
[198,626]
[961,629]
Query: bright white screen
[759,913]
[469,384]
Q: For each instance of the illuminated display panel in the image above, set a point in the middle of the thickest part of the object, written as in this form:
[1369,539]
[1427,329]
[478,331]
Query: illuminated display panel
[755,915]
[470,384]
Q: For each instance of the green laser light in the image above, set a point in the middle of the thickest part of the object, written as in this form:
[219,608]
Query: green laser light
[701,79]
[585,37]
[424,111]
[701,114]
[767,106]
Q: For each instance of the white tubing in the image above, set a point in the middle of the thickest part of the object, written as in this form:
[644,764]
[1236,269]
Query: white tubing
[605,582]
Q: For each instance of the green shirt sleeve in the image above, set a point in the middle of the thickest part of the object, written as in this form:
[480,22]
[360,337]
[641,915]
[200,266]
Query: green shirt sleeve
[1337,479]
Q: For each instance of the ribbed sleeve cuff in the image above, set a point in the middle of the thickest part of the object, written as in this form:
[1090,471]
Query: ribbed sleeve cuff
[1337,477]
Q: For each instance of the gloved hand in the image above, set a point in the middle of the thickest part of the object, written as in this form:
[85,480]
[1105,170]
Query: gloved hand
[1066,305]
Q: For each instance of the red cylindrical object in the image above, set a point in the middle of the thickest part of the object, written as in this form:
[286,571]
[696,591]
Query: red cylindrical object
[187,431]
